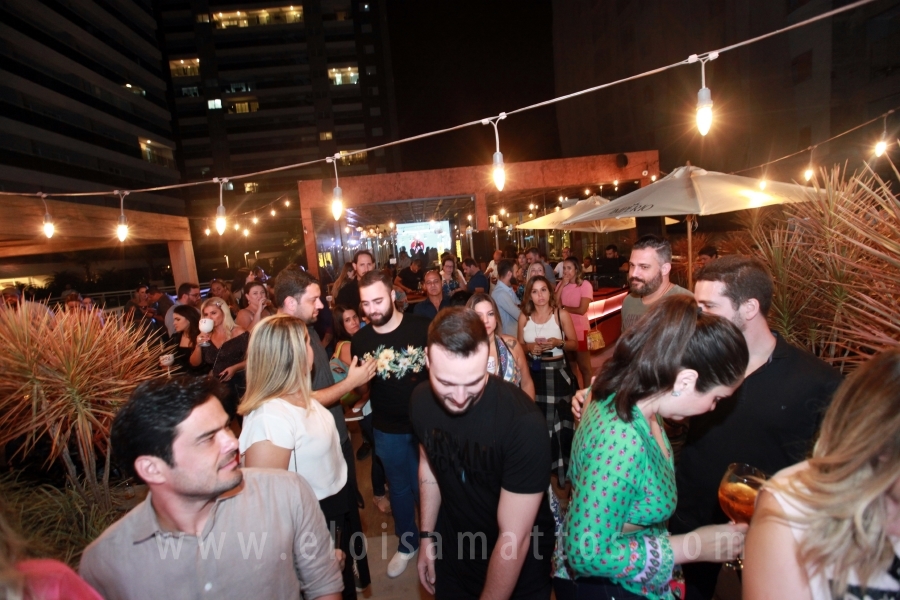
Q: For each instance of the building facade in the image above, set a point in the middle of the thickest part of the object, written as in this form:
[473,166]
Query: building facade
[258,85]
[770,99]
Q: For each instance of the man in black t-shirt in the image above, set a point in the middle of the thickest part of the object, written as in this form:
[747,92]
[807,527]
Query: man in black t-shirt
[348,295]
[486,525]
[396,342]
[410,278]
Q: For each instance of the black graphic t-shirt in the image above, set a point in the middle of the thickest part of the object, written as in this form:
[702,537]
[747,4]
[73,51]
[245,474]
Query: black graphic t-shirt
[400,367]
[499,443]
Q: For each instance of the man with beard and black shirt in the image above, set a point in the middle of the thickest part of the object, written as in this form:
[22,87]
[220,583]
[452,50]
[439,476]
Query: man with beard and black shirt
[648,278]
[396,342]
[486,525]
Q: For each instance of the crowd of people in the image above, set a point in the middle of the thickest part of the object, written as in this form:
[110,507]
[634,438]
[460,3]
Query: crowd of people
[511,466]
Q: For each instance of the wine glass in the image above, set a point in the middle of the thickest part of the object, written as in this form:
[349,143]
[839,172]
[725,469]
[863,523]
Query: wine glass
[737,495]
[206,326]
[167,360]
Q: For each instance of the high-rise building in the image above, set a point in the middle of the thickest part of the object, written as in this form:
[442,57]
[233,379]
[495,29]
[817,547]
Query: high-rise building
[772,98]
[83,101]
[258,85]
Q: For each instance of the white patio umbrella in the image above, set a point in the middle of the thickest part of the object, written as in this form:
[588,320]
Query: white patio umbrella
[693,191]
[556,219]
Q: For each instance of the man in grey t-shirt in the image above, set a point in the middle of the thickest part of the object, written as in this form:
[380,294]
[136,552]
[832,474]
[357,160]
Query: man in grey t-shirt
[207,527]
[648,278]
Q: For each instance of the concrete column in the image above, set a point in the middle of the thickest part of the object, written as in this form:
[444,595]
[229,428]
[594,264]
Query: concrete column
[309,240]
[184,266]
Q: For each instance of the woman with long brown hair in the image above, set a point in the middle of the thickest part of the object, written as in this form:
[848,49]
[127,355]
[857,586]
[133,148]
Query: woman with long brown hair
[829,527]
[506,358]
[258,306]
[574,295]
[547,333]
[345,277]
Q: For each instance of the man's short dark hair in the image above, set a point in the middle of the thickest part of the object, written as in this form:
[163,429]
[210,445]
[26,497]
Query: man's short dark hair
[661,245]
[744,277]
[418,262]
[185,289]
[153,289]
[710,251]
[534,251]
[360,253]
[470,262]
[291,283]
[504,267]
[148,423]
[142,286]
[457,330]
[612,247]
[374,276]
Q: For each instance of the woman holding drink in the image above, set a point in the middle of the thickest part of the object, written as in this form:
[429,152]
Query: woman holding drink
[675,363]
[258,306]
[506,358]
[829,527]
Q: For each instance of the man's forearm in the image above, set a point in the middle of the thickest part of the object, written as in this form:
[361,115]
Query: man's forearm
[330,396]
[503,570]
[429,496]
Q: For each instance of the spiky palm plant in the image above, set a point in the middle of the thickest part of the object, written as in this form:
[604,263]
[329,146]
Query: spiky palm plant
[64,378]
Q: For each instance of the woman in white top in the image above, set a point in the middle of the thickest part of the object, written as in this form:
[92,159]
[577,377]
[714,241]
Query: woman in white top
[830,527]
[285,428]
[547,333]
[506,358]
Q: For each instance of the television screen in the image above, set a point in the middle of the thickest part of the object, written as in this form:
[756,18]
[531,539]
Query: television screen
[416,237]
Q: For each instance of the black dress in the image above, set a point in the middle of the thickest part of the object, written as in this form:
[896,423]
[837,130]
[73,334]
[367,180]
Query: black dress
[229,354]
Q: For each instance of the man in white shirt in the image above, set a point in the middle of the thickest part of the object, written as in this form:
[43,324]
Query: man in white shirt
[491,271]
[558,270]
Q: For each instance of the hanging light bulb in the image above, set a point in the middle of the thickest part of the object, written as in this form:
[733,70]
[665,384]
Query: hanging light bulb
[272,212]
[808,173]
[881,146]
[237,227]
[220,211]
[653,178]
[337,200]
[207,231]
[762,184]
[255,220]
[704,96]
[499,173]
[246,232]
[48,220]
[122,228]
[287,202]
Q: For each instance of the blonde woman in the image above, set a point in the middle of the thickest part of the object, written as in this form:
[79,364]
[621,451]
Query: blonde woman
[225,356]
[285,428]
[829,527]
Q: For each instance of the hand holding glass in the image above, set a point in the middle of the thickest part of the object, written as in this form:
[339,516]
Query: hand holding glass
[737,495]
[206,326]
[167,360]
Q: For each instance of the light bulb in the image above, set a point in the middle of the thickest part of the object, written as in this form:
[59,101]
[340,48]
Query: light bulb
[560,198]
[255,220]
[391,225]
[499,173]
[122,228]
[469,217]
[880,147]
[615,182]
[246,232]
[237,227]
[762,184]
[587,192]
[220,219]
[48,225]
[808,173]
[272,212]
[287,202]
[653,178]
[207,231]
[704,110]
[337,204]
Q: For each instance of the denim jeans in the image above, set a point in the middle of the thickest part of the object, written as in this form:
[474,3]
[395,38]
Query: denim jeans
[399,453]
[377,468]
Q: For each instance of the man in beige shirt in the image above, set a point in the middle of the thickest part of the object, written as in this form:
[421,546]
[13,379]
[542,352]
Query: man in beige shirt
[207,527]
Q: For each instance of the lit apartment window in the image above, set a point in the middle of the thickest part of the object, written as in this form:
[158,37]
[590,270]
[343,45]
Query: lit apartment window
[214,104]
[135,89]
[204,18]
[325,135]
[357,158]
[185,67]
[344,75]
[243,107]
[265,16]
[237,87]
[156,154]
[251,187]
[192,91]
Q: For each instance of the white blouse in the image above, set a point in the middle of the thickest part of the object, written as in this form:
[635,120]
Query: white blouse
[310,434]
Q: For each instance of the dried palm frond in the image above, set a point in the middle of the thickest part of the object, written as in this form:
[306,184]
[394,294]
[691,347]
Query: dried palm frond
[64,379]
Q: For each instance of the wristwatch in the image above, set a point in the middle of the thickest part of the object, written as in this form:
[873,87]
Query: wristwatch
[428,535]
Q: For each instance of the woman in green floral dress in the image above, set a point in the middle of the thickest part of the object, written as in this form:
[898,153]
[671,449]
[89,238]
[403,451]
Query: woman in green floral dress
[675,363]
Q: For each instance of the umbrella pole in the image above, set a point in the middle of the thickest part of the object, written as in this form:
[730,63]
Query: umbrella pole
[690,256]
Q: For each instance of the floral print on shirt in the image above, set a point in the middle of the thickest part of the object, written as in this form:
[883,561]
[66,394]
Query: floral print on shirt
[620,475]
[397,362]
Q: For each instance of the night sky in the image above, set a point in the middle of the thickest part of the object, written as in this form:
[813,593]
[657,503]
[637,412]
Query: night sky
[464,60]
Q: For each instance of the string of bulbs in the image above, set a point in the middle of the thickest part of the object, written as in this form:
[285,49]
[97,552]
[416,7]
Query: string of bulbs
[704,120]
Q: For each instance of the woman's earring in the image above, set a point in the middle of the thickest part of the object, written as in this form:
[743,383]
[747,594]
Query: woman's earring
[676,393]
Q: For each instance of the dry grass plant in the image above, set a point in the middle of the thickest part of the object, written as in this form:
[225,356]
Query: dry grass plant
[64,378]
[835,260]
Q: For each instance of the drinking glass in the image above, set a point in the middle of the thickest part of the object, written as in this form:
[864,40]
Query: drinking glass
[737,495]
[167,360]
[206,326]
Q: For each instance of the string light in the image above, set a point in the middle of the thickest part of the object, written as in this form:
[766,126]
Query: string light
[704,96]
[220,212]
[122,228]
[237,227]
[881,146]
[246,232]
[337,200]
[207,231]
[287,203]
[762,184]
[272,212]
[653,178]
[255,219]
[499,173]
[809,172]
[48,220]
